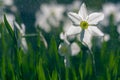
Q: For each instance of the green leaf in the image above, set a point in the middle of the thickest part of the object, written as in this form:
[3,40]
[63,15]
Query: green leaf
[74,74]
[53,48]
[88,67]
[66,74]
[10,69]
[11,32]
[3,69]
[54,75]
[40,71]
[81,72]
[53,52]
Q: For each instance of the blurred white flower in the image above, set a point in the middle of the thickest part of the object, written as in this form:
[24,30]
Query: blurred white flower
[68,50]
[75,49]
[1,11]
[118,29]
[106,37]
[64,37]
[64,49]
[49,15]
[13,8]
[85,24]
[8,2]
[21,40]
[10,17]
[74,6]
[67,24]
[111,9]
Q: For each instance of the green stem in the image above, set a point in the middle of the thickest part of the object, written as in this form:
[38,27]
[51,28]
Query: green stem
[93,58]
[67,61]
[30,35]
[93,61]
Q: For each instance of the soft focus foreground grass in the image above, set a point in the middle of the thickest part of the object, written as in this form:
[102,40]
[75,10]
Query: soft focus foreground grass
[46,64]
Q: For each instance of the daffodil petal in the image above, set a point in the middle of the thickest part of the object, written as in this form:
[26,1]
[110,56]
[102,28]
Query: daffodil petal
[75,49]
[24,45]
[95,31]
[74,18]
[86,37]
[64,37]
[94,18]
[83,11]
[73,30]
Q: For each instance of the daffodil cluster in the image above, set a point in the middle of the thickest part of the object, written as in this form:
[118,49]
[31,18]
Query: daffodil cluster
[84,27]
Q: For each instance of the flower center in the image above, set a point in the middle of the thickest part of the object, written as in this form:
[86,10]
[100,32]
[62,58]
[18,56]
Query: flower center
[83,24]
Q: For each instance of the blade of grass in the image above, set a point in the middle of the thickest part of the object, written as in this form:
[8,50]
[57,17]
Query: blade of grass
[9,28]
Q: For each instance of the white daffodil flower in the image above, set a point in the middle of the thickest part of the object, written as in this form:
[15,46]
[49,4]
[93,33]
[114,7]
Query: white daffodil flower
[64,49]
[85,24]
[68,50]
[21,40]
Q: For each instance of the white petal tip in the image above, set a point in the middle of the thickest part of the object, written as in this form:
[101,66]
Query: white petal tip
[83,4]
